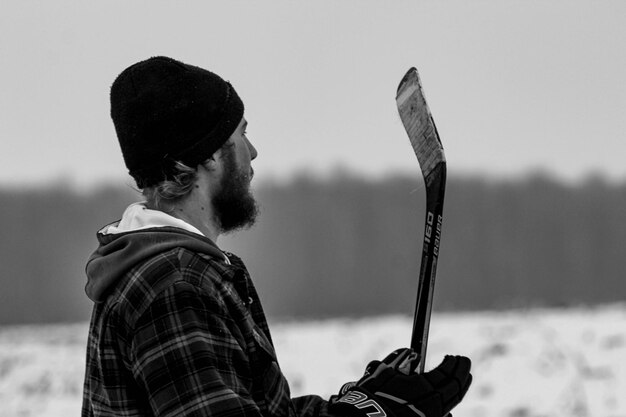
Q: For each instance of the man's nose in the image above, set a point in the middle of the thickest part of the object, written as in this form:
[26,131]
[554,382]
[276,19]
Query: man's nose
[252,149]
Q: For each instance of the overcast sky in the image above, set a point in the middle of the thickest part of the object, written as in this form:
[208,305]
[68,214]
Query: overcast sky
[513,85]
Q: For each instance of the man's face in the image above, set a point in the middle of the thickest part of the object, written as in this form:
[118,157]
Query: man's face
[233,203]
[241,146]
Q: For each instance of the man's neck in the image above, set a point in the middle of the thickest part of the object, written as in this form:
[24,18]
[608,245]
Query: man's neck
[198,214]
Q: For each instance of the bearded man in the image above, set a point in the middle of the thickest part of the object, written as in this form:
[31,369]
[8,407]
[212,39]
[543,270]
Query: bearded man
[177,326]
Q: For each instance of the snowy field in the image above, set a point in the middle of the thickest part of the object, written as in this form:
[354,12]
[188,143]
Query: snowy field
[568,363]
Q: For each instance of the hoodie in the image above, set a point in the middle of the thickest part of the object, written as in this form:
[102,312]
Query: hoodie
[141,234]
[178,328]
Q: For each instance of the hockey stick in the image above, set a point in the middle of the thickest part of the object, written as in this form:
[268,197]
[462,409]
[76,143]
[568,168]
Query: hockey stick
[424,138]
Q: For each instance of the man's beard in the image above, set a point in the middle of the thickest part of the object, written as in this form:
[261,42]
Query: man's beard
[233,205]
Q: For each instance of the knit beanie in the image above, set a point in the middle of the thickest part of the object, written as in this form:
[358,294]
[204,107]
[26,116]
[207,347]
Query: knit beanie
[166,111]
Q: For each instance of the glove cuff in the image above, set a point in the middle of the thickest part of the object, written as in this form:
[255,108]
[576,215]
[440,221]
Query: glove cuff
[358,402]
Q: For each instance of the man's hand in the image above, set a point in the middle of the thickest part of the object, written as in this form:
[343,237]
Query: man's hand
[391,388]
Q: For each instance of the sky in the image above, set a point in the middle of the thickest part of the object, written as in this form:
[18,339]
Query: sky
[514,86]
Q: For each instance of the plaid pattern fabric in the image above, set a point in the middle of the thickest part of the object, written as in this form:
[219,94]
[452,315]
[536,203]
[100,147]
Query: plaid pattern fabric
[185,335]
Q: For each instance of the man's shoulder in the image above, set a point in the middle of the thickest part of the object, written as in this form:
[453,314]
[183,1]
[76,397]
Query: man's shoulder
[144,283]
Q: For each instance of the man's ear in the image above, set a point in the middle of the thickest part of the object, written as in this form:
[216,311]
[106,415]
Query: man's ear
[211,163]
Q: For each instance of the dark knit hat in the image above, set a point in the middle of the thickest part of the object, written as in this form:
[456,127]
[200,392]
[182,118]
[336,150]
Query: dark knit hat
[166,111]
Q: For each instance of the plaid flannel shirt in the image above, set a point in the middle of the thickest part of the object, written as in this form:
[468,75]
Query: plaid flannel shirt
[183,334]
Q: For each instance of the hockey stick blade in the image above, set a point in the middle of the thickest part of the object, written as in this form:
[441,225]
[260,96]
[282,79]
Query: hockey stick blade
[420,127]
[419,124]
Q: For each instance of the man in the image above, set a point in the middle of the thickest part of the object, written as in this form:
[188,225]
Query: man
[177,327]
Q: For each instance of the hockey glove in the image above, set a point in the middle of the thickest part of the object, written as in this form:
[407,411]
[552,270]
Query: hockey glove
[392,388]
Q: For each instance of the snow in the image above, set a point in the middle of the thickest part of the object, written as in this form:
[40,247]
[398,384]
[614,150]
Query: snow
[525,363]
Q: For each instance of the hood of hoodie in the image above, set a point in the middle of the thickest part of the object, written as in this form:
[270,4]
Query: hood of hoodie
[138,236]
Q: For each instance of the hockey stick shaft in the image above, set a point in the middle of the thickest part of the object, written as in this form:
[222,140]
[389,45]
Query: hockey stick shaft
[428,266]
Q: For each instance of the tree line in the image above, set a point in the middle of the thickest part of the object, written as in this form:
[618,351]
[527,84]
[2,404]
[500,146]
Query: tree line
[346,246]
